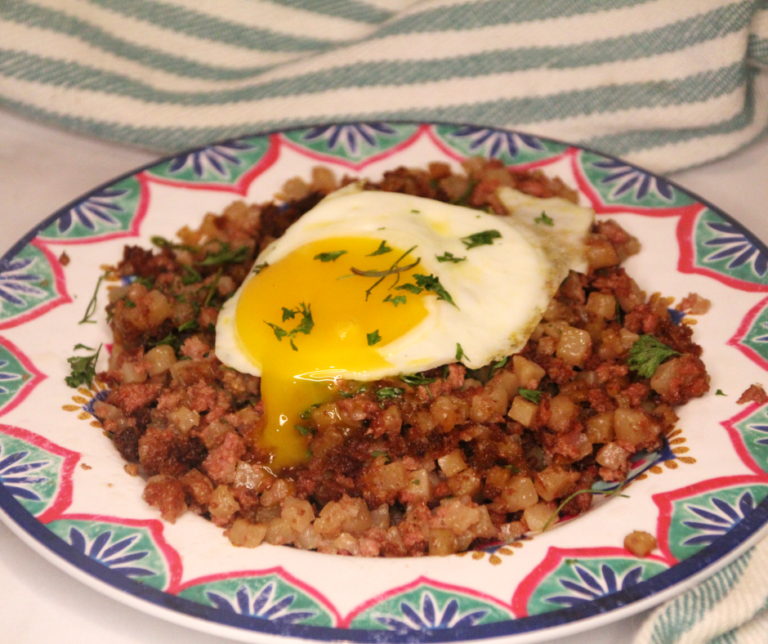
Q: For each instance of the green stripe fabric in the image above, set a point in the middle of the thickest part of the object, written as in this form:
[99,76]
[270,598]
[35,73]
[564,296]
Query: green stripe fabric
[731,607]
[672,74]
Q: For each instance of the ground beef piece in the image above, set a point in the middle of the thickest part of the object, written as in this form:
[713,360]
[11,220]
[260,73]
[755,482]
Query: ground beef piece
[132,397]
[679,379]
[167,494]
[221,462]
[754,393]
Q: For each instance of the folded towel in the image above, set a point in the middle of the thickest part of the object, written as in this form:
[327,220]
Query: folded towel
[664,83]
[730,607]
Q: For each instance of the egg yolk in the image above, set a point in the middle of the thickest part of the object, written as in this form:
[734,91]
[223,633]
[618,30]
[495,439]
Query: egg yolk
[311,316]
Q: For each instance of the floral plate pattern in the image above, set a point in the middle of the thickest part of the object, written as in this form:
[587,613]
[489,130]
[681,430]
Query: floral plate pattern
[62,485]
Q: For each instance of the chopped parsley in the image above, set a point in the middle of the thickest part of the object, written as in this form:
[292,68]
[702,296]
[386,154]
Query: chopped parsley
[259,267]
[398,299]
[82,368]
[189,325]
[411,288]
[460,352]
[389,392]
[450,257]
[373,338]
[225,255]
[497,365]
[304,430]
[331,256]
[305,326]
[484,238]
[91,308]
[432,283]
[544,219]
[191,276]
[647,353]
[417,379]
[383,249]
[720,392]
[531,395]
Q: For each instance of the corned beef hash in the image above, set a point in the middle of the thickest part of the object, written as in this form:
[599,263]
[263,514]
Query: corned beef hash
[414,366]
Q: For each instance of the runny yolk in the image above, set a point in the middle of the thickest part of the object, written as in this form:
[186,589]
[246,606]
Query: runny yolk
[324,324]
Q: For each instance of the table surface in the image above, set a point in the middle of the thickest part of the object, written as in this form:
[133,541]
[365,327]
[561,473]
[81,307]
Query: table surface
[42,169]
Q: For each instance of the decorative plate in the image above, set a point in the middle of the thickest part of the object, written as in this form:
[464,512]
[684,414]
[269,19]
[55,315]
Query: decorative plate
[63,488]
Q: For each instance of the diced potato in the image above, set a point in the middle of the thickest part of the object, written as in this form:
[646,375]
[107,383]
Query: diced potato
[537,516]
[554,482]
[452,463]
[634,426]
[357,515]
[299,514]
[495,480]
[160,359]
[600,427]
[640,543]
[523,411]
[442,542]
[601,253]
[574,346]
[563,412]
[245,534]
[602,304]
[519,493]
[418,487]
[222,505]
[612,456]
[279,532]
[466,482]
[184,418]
[528,373]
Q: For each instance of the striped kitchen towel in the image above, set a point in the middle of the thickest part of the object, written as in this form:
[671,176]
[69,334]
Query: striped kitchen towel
[730,607]
[664,83]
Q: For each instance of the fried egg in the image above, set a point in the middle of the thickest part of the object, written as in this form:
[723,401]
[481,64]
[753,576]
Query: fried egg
[374,284]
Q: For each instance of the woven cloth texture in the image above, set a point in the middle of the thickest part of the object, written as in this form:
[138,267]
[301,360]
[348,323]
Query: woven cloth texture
[666,84]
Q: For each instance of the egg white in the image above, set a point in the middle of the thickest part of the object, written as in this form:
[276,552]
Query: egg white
[500,291]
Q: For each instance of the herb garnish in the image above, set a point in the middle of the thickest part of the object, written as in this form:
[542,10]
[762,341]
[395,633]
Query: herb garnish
[544,219]
[162,242]
[83,368]
[460,352]
[393,270]
[303,430]
[389,392]
[647,353]
[719,392]
[225,255]
[432,283]
[450,257]
[417,379]
[259,267]
[386,272]
[484,238]
[497,365]
[91,308]
[331,256]
[412,288]
[305,326]
[191,276]
[373,338]
[398,299]
[531,395]
[584,491]
[383,249]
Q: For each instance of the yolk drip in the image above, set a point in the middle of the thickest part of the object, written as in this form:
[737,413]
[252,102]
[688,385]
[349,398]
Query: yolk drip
[301,293]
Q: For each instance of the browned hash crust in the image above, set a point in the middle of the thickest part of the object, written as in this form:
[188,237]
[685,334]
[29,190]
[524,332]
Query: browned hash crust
[398,467]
